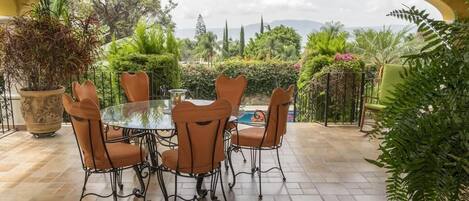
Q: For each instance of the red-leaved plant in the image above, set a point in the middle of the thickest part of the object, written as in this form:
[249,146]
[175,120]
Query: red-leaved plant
[42,52]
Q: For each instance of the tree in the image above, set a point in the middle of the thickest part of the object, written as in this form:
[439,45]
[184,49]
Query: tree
[279,43]
[241,42]
[187,49]
[172,45]
[331,39]
[207,46]
[381,47]
[226,43]
[121,16]
[200,28]
[262,25]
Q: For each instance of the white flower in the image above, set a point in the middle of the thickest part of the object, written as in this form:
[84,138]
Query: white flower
[430,108]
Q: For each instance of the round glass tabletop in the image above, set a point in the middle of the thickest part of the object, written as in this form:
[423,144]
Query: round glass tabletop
[151,115]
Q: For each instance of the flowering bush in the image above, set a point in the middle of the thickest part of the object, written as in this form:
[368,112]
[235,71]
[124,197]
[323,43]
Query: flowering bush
[344,57]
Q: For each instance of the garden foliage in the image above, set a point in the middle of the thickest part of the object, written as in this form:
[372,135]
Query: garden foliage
[263,76]
[425,127]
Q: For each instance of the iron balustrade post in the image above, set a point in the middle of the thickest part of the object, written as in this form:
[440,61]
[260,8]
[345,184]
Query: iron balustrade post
[326,105]
[294,105]
[362,88]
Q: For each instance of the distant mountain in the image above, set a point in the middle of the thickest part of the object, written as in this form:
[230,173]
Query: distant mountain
[303,27]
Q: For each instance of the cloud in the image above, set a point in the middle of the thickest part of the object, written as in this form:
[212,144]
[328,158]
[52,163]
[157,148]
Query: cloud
[237,12]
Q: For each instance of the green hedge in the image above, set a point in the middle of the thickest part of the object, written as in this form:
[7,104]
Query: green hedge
[164,68]
[263,76]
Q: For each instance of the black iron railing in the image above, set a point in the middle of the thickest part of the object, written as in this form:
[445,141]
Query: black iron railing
[6,107]
[333,98]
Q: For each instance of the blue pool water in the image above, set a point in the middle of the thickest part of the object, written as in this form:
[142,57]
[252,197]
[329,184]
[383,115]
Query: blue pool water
[247,117]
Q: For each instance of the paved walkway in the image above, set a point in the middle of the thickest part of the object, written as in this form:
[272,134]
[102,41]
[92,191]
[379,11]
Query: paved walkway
[320,164]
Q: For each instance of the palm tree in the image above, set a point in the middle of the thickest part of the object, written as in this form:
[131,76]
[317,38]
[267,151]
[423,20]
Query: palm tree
[378,48]
[207,47]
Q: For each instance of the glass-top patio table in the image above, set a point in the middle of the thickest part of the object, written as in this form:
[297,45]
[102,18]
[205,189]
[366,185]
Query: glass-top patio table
[153,117]
[145,115]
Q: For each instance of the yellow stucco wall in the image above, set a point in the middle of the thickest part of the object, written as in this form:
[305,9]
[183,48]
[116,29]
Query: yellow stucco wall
[451,9]
[14,7]
[8,8]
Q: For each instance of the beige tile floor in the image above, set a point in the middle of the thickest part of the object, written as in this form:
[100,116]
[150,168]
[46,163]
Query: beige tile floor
[320,164]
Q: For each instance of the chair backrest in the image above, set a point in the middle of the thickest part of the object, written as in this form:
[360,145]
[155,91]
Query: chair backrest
[86,122]
[277,118]
[391,77]
[85,90]
[231,90]
[200,134]
[136,86]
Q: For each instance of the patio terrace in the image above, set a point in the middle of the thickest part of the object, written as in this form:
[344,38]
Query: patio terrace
[321,163]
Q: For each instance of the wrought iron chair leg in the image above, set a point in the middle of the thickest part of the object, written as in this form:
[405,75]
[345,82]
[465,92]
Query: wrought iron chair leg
[213,186]
[253,161]
[176,186]
[237,132]
[221,183]
[259,171]
[119,179]
[87,175]
[142,191]
[159,175]
[113,176]
[242,154]
[280,166]
[227,144]
[231,185]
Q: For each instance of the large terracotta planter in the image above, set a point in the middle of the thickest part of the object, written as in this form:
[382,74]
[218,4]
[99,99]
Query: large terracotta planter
[42,111]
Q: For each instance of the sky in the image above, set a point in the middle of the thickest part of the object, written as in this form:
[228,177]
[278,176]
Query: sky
[243,12]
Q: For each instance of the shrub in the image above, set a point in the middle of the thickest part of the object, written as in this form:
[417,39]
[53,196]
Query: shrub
[312,66]
[164,67]
[262,76]
[344,86]
[200,80]
[342,67]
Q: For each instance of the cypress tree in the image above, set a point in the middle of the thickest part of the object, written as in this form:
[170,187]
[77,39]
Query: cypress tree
[226,47]
[262,24]
[200,28]
[241,42]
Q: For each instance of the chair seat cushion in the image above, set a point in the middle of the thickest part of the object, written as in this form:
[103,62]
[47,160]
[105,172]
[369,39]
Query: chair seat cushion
[374,106]
[122,155]
[113,133]
[170,158]
[250,137]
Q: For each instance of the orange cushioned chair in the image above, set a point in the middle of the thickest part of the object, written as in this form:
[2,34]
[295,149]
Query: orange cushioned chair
[268,138]
[136,86]
[200,144]
[231,90]
[88,90]
[98,155]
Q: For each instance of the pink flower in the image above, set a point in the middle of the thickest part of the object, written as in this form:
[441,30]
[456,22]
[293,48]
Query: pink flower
[297,66]
[344,57]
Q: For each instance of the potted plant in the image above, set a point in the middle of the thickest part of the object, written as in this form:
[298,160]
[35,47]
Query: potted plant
[41,51]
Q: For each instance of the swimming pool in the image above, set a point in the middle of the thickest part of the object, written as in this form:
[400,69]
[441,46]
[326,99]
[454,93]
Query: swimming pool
[248,117]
